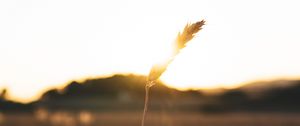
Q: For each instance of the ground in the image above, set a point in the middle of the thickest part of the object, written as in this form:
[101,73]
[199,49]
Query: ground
[85,118]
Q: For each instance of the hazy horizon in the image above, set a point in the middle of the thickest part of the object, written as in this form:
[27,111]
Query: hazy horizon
[81,80]
[46,44]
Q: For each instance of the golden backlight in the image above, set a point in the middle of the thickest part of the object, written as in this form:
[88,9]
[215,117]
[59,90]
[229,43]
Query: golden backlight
[45,44]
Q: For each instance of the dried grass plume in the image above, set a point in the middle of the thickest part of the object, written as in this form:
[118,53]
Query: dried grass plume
[182,39]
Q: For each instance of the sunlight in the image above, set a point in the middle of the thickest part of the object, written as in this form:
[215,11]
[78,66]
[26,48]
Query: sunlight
[45,44]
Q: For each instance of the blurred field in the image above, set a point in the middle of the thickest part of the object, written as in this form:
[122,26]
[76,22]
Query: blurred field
[84,118]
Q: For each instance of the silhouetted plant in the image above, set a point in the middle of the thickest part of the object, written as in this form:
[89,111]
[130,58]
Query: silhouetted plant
[158,69]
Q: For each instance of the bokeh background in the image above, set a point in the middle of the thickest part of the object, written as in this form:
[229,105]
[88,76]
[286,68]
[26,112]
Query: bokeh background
[84,63]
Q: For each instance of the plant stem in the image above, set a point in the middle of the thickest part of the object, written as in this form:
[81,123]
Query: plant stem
[147,88]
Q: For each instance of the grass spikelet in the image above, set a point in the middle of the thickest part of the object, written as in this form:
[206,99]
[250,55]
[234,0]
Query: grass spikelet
[188,34]
[182,38]
[158,69]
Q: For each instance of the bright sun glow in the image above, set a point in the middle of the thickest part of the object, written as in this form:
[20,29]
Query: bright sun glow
[46,43]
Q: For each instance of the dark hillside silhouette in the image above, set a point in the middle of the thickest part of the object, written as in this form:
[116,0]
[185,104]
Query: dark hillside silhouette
[277,98]
[116,92]
[126,92]
[7,105]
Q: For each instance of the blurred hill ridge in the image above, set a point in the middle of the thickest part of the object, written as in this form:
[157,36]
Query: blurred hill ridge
[126,92]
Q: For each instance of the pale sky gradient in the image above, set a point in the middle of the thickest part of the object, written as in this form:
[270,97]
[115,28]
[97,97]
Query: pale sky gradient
[46,43]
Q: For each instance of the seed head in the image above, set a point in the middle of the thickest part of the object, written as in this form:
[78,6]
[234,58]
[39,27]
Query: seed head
[182,38]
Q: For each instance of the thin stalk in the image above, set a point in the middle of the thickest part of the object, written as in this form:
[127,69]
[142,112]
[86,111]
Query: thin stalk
[147,88]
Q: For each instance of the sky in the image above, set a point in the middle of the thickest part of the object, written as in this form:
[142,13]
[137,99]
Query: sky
[47,43]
